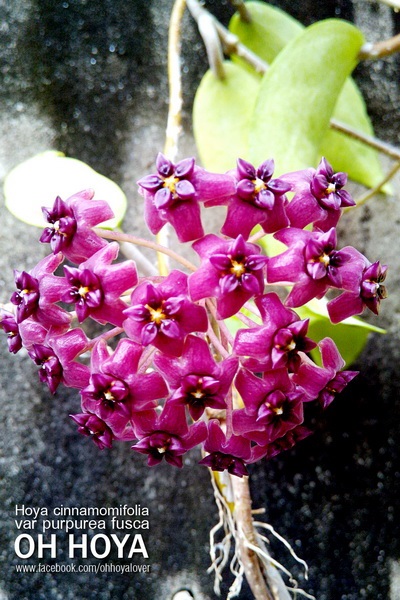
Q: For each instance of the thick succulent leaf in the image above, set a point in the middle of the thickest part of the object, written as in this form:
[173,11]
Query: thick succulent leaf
[346,154]
[353,329]
[39,180]
[221,113]
[267,34]
[298,94]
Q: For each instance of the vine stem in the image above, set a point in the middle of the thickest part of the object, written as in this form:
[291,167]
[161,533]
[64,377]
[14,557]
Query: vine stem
[261,583]
[174,79]
[380,49]
[174,119]
[369,193]
[395,4]
[232,45]
[208,31]
[369,140]
[106,336]
[118,236]
[241,8]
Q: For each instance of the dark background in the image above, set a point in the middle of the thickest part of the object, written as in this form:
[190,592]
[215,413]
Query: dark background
[89,78]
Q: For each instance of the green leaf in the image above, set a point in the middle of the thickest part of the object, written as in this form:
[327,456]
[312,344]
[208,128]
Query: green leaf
[39,180]
[267,34]
[360,161]
[350,335]
[298,94]
[221,113]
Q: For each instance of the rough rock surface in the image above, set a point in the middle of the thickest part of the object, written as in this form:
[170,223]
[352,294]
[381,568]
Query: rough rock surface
[89,79]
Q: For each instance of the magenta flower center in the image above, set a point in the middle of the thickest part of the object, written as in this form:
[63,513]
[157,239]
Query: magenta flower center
[62,228]
[199,388]
[288,342]
[259,185]
[372,288]
[85,291]
[285,341]
[274,407]
[51,370]
[237,270]
[108,390]
[220,461]
[26,298]
[170,183]
[322,260]
[156,315]
[161,445]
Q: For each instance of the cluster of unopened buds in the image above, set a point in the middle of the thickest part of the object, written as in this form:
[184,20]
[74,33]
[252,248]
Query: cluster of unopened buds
[173,369]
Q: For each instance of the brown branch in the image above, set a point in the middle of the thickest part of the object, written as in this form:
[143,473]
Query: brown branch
[118,236]
[233,46]
[383,147]
[206,24]
[174,80]
[241,8]
[260,569]
[395,4]
[246,533]
[380,49]
[377,188]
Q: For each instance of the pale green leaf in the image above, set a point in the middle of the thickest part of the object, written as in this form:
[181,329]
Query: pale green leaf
[298,94]
[267,34]
[221,113]
[360,161]
[39,180]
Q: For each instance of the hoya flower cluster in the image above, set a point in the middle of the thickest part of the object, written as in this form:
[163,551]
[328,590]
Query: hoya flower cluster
[213,356]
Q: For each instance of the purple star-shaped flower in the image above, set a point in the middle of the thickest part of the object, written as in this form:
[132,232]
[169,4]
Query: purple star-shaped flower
[174,192]
[319,196]
[226,454]
[163,315]
[278,341]
[259,199]
[10,327]
[196,380]
[70,226]
[272,405]
[168,436]
[96,285]
[324,383]
[56,359]
[93,427]
[117,392]
[369,294]
[231,271]
[33,299]
[314,265]
[286,442]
